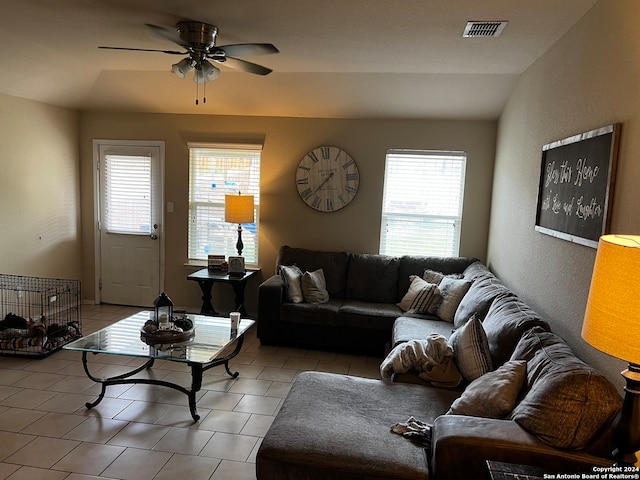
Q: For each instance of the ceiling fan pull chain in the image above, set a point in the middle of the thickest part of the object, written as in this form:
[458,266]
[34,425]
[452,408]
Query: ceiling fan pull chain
[204,93]
[197,92]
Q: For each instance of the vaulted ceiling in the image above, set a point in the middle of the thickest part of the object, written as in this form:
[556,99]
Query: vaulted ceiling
[338,59]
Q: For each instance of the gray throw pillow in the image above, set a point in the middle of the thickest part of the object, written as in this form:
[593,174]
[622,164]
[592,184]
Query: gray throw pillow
[471,350]
[494,394]
[292,277]
[452,290]
[314,287]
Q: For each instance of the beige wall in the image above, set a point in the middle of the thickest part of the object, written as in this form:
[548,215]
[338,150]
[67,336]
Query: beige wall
[284,218]
[589,79]
[39,190]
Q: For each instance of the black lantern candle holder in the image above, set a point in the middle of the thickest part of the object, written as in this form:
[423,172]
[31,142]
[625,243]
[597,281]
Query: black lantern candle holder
[163,311]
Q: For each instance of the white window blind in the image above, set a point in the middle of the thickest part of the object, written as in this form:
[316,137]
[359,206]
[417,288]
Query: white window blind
[422,203]
[127,199]
[214,171]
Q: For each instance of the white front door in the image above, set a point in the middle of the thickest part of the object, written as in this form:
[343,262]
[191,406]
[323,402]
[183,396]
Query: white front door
[129,221]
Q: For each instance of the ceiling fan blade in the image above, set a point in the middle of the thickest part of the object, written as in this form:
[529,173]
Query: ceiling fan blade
[243,49]
[170,52]
[243,65]
[167,34]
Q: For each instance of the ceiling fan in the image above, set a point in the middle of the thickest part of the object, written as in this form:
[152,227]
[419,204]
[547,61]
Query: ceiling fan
[199,42]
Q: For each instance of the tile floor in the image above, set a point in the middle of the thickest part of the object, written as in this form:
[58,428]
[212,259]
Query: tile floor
[145,432]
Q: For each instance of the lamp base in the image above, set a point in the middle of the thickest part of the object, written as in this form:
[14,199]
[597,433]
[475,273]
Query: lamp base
[239,244]
[626,427]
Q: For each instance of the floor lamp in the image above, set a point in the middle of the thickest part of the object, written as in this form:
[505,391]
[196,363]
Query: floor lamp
[612,325]
[239,209]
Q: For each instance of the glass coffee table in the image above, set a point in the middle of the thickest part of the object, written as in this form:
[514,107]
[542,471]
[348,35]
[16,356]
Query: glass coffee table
[212,337]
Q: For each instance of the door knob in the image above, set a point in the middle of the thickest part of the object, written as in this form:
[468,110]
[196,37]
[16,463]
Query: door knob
[153,236]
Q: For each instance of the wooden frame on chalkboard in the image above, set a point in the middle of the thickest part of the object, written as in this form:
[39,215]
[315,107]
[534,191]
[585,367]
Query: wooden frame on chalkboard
[577,177]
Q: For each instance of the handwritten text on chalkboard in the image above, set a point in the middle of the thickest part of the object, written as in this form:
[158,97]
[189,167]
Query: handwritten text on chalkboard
[576,186]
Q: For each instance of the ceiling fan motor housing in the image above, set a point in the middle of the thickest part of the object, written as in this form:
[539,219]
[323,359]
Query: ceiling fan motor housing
[197,34]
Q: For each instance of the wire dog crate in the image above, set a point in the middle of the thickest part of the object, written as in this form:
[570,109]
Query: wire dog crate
[38,315]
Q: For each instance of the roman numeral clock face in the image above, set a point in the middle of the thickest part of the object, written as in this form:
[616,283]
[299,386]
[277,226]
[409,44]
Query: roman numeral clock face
[327,179]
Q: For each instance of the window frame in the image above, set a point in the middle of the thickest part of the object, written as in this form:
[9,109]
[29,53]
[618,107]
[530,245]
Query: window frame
[227,186]
[444,241]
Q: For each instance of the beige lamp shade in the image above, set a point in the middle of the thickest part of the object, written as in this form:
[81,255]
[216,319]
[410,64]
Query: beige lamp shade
[238,209]
[612,318]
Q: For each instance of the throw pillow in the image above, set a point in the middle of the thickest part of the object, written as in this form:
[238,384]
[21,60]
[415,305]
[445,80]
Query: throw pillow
[471,350]
[292,277]
[567,402]
[314,287]
[452,290]
[493,395]
[432,276]
[422,297]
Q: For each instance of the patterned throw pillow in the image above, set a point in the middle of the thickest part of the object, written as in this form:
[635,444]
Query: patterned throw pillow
[471,350]
[422,297]
[292,277]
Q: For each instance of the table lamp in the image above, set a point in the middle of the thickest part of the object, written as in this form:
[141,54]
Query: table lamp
[239,209]
[612,325]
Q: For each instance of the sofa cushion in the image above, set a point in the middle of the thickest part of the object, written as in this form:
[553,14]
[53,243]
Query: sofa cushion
[311,313]
[422,297]
[349,435]
[483,291]
[477,270]
[314,287]
[333,264]
[292,278]
[566,402]
[494,394]
[367,315]
[507,320]
[407,328]
[471,350]
[372,278]
[452,292]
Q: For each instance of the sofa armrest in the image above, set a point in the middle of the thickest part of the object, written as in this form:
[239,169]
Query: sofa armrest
[271,294]
[462,444]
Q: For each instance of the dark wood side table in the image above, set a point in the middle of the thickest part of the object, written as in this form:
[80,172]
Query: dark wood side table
[206,278]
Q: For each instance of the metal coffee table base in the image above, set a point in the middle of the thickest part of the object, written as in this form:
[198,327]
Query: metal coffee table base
[197,369]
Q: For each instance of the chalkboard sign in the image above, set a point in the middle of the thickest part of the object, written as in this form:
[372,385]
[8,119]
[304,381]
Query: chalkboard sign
[575,194]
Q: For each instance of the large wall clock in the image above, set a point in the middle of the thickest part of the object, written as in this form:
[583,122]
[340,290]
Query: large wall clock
[327,179]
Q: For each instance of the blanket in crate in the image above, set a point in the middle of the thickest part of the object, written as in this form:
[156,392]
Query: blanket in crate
[34,336]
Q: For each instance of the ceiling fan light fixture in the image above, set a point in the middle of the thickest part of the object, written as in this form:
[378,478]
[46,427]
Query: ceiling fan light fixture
[205,72]
[182,67]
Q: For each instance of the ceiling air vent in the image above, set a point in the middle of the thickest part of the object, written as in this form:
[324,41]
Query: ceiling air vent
[484,29]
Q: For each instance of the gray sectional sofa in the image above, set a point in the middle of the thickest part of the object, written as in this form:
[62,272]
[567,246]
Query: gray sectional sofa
[537,404]
[364,290]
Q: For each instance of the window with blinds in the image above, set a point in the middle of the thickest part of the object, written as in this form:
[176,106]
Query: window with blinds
[214,171]
[127,196]
[422,203]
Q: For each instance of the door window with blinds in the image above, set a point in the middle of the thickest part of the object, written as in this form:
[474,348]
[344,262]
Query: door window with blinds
[422,202]
[128,194]
[214,171]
